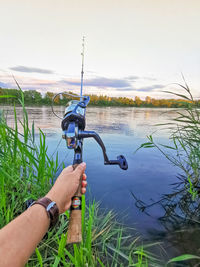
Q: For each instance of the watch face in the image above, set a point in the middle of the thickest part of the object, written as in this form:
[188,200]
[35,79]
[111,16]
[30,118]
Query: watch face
[51,205]
[53,213]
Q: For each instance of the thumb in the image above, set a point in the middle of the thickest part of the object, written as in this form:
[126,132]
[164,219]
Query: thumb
[80,169]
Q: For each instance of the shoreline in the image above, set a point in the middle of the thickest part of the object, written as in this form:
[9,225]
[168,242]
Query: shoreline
[95,106]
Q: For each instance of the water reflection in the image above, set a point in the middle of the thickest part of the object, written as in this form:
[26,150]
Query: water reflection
[105,120]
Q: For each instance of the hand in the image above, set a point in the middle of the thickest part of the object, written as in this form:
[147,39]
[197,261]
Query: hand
[66,185]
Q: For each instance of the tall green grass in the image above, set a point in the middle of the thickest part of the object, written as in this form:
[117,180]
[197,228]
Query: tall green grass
[27,173]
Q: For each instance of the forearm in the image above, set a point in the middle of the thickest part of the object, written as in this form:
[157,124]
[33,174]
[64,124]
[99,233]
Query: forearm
[20,237]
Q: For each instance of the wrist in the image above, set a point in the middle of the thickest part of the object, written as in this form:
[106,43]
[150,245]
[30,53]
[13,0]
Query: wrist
[39,209]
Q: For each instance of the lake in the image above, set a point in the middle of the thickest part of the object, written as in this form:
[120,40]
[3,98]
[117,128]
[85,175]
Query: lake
[123,130]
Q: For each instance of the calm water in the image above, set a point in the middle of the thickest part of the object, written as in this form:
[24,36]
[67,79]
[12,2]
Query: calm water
[149,175]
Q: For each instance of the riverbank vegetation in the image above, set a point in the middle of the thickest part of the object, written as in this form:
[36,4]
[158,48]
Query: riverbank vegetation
[27,172]
[33,97]
[182,206]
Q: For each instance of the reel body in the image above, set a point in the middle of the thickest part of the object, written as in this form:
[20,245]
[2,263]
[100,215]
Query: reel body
[73,126]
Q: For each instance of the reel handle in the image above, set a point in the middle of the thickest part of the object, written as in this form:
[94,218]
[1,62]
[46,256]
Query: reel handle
[74,234]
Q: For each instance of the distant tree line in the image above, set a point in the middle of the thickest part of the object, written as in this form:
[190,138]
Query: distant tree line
[33,97]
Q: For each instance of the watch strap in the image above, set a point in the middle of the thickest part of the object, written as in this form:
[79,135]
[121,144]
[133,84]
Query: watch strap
[51,209]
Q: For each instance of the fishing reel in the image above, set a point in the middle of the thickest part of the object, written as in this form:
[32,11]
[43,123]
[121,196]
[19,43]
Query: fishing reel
[73,126]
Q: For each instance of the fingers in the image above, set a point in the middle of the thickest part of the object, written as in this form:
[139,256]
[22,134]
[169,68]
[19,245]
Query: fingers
[84,184]
[84,177]
[83,190]
[80,169]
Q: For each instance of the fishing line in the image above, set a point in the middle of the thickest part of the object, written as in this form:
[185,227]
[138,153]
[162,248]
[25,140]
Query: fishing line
[63,93]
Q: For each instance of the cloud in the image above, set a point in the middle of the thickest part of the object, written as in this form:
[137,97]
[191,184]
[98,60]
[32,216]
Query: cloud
[100,82]
[132,78]
[96,85]
[31,70]
[150,88]
[120,85]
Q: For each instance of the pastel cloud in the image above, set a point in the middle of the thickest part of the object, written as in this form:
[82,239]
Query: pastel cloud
[111,86]
[150,88]
[101,82]
[31,70]
[132,78]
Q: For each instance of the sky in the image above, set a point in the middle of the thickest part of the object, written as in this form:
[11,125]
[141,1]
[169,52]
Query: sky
[132,47]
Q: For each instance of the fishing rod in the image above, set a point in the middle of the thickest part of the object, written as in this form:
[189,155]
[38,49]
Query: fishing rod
[73,126]
[82,72]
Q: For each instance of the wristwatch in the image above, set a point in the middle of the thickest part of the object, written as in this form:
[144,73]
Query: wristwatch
[51,209]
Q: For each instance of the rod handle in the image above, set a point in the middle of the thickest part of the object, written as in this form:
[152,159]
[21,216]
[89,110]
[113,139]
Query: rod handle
[74,234]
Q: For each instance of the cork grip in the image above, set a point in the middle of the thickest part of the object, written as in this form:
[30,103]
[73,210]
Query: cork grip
[74,234]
